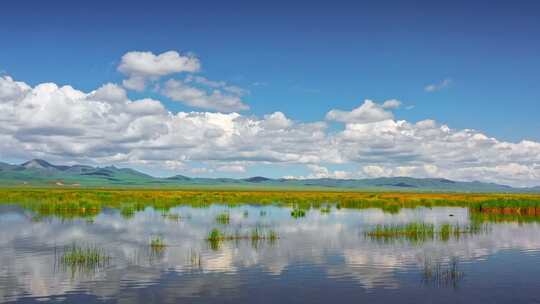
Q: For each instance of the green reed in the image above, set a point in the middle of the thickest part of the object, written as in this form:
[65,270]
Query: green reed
[423,231]
[87,257]
[223,218]
[297,213]
[157,243]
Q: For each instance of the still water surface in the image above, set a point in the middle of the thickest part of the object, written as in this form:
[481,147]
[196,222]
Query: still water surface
[319,258]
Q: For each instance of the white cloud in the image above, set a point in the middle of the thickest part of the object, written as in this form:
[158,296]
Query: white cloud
[104,126]
[12,90]
[376,171]
[216,84]
[143,66]
[318,171]
[231,168]
[391,104]
[445,83]
[368,112]
[425,170]
[218,100]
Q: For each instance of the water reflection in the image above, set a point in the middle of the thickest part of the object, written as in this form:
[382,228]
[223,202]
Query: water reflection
[326,248]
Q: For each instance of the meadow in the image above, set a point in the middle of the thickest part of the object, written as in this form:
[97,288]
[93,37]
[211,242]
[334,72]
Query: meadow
[74,203]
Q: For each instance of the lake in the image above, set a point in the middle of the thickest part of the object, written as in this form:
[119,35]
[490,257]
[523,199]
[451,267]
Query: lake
[322,256]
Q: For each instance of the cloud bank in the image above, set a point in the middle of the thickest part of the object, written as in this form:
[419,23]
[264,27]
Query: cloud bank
[105,127]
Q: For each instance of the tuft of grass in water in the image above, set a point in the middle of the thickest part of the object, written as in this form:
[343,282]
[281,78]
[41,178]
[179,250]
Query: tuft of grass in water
[297,213]
[392,209]
[262,213]
[127,212]
[215,235]
[157,244]
[195,258]
[442,274]
[423,231]
[272,235]
[89,257]
[255,235]
[413,231]
[223,218]
[172,216]
[326,209]
[246,214]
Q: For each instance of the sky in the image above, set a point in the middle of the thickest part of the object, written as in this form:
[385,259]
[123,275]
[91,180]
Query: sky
[347,89]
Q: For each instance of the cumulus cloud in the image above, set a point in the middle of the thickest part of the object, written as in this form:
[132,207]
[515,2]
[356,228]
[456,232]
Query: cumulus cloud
[368,112]
[445,83]
[140,67]
[104,126]
[218,100]
[194,90]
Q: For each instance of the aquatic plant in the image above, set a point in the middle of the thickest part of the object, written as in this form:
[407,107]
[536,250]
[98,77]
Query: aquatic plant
[223,218]
[215,235]
[326,209]
[272,235]
[86,257]
[297,213]
[255,235]
[441,274]
[157,243]
[480,217]
[423,231]
[172,216]
[195,259]
[392,209]
[127,212]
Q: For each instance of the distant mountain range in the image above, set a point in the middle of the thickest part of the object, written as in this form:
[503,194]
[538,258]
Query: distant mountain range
[38,173]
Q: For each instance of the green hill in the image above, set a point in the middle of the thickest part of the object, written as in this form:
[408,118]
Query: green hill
[40,173]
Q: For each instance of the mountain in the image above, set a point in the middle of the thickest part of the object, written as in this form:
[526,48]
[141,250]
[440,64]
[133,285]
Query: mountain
[41,164]
[39,173]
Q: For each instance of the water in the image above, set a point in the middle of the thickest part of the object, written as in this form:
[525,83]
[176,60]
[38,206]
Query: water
[320,258]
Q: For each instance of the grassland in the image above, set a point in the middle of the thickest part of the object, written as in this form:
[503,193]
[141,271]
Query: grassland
[74,203]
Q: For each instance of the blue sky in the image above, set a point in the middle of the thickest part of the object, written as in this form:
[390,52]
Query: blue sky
[302,58]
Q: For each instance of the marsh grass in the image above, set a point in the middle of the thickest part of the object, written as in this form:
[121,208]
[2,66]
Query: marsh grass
[87,203]
[223,218]
[127,212]
[195,258]
[86,258]
[298,213]
[423,231]
[477,217]
[175,217]
[326,209]
[215,236]
[157,244]
[440,274]
[391,209]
